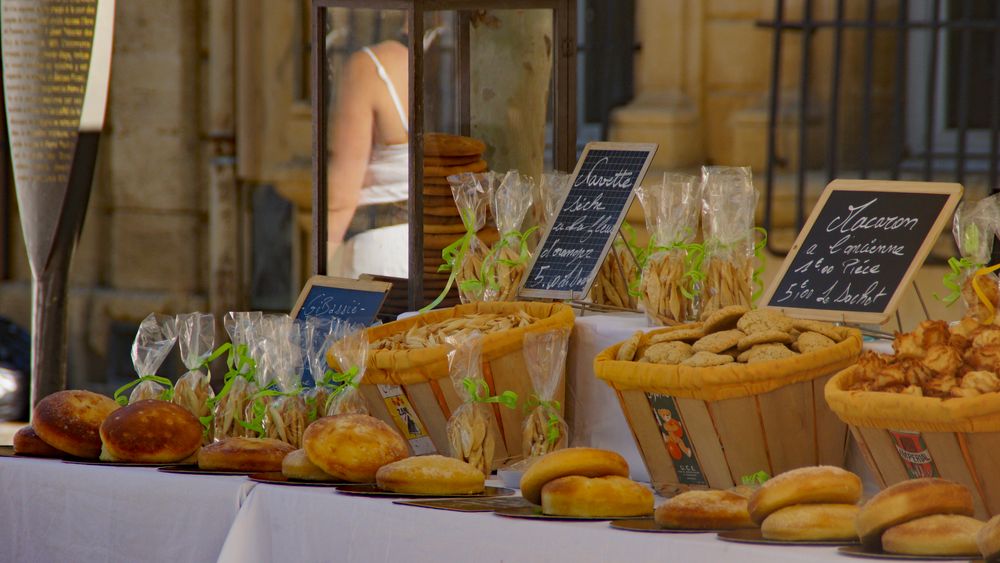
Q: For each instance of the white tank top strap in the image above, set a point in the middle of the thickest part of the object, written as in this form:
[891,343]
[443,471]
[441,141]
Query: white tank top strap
[389,86]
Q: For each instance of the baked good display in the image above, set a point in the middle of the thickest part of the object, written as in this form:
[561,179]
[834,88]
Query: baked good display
[585,462]
[27,442]
[988,540]
[908,501]
[353,447]
[936,535]
[150,431]
[429,335]
[811,522]
[431,475]
[609,496]
[71,420]
[806,485]
[705,510]
[252,455]
[296,465]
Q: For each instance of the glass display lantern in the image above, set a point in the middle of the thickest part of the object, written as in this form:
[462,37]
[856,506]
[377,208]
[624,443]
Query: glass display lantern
[407,93]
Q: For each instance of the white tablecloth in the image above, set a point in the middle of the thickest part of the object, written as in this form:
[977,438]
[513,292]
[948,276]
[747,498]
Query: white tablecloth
[53,511]
[309,525]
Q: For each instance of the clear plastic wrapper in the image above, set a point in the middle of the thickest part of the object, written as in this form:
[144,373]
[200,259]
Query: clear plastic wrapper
[349,349]
[544,429]
[729,203]
[470,434]
[232,401]
[286,413]
[315,344]
[468,253]
[508,259]
[552,189]
[193,390]
[975,226]
[671,270]
[153,341]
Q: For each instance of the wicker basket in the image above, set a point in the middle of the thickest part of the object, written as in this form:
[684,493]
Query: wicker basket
[904,437]
[729,421]
[410,389]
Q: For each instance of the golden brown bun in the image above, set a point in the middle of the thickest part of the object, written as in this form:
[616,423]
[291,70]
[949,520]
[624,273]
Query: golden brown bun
[938,534]
[988,540]
[431,475]
[253,455]
[587,462]
[705,510]
[296,465]
[353,446]
[811,522]
[910,500]
[71,420]
[609,496]
[27,442]
[151,432]
[807,485]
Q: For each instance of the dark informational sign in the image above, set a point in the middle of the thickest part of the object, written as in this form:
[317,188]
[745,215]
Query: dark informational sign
[574,246]
[356,301]
[860,248]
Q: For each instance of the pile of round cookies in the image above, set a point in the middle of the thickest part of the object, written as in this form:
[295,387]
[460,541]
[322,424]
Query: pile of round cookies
[733,334]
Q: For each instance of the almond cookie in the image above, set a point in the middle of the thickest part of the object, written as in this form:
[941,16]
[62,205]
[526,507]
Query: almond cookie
[626,352]
[764,319]
[767,352]
[764,337]
[678,335]
[811,341]
[725,318]
[719,341]
[707,359]
[828,330]
[670,353]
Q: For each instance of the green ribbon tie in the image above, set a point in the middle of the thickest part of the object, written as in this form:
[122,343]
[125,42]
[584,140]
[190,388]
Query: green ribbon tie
[758,478]
[339,383]
[454,254]
[167,395]
[259,409]
[952,280]
[476,387]
[552,432]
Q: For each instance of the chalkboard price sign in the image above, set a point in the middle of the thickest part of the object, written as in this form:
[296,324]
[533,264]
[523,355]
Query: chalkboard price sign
[573,248]
[357,301]
[861,246]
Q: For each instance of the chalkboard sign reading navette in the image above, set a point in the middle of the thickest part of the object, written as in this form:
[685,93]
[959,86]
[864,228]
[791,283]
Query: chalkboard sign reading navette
[861,246]
[573,248]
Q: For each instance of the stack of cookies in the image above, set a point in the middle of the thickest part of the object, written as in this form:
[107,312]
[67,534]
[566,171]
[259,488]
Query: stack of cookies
[445,155]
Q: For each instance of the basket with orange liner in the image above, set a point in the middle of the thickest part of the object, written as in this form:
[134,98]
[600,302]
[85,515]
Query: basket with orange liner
[407,382]
[739,392]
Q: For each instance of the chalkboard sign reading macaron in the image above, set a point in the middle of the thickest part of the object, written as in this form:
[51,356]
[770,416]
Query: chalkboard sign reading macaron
[575,244]
[859,249]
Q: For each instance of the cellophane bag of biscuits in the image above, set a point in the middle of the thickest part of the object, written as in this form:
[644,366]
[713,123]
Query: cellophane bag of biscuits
[315,342]
[729,202]
[193,390]
[470,434]
[153,341]
[672,266]
[552,189]
[349,347]
[464,258]
[287,415]
[975,225]
[544,429]
[613,285]
[231,403]
[507,260]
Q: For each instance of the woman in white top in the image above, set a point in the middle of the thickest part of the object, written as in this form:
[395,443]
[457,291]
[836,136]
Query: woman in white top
[368,172]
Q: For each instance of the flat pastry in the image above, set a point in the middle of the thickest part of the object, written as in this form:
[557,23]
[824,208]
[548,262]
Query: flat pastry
[252,455]
[296,466]
[27,442]
[431,475]
[807,485]
[150,431]
[935,535]
[705,510]
[811,522]
[70,421]
[909,500]
[627,349]
[718,341]
[353,446]
[707,359]
[764,319]
[764,337]
[594,497]
[725,318]
[588,462]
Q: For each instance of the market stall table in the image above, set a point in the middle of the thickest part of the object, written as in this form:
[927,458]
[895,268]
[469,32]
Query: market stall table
[301,524]
[55,511]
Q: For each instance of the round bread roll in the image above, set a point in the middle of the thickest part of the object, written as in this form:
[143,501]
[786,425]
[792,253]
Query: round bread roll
[586,462]
[811,522]
[431,475]
[705,510]
[71,421]
[353,446]
[596,497]
[807,485]
[27,442]
[296,465]
[151,431]
[907,501]
[253,455]
[938,534]
[988,540]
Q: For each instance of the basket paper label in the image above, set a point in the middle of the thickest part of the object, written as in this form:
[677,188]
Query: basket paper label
[914,454]
[405,417]
[675,440]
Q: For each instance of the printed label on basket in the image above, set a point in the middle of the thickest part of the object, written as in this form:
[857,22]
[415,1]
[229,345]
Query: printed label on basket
[406,419]
[913,451]
[675,439]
